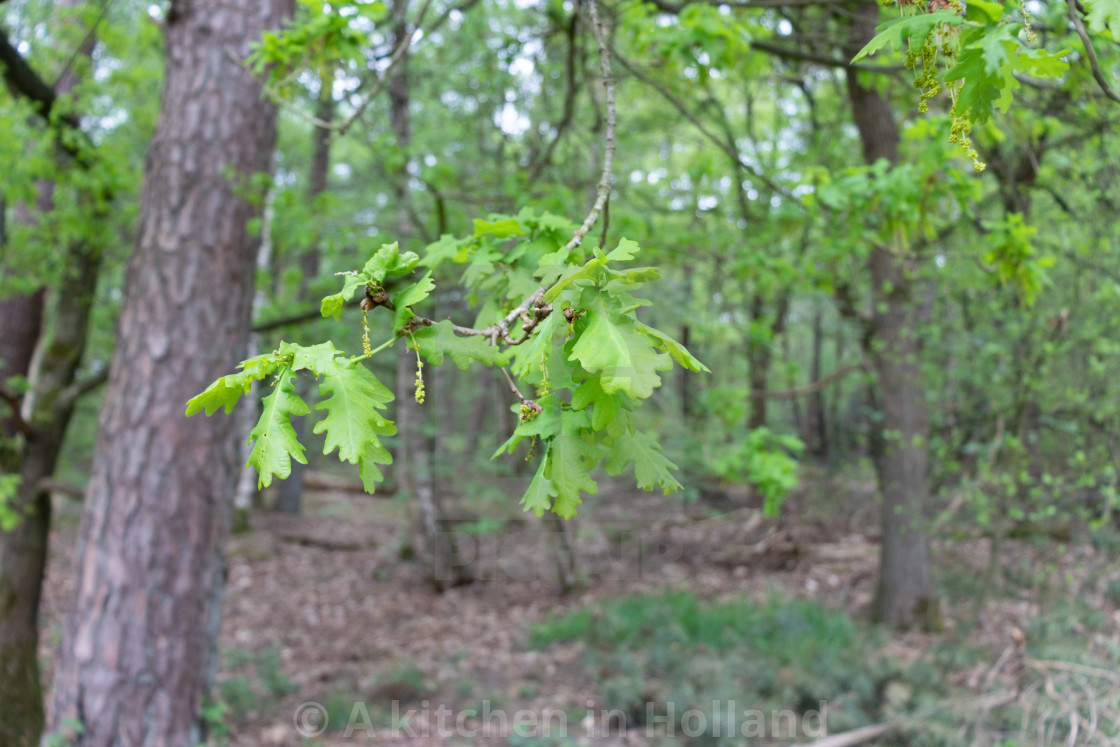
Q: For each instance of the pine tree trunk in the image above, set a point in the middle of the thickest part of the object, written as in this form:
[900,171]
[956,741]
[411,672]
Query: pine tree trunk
[138,653]
[905,596]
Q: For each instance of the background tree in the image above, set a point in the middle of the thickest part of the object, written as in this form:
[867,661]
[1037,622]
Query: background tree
[157,506]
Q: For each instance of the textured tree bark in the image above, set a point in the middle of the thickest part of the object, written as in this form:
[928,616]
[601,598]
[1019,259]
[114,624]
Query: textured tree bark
[139,648]
[904,597]
[23,549]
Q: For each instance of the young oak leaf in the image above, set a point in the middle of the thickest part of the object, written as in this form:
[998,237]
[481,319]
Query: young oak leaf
[676,351]
[319,359]
[536,349]
[625,251]
[352,398]
[1104,17]
[274,439]
[651,467]
[413,294]
[538,496]
[567,454]
[612,347]
[604,407]
[389,261]
[914,29]
[226,391]
[545,425]
[331,306]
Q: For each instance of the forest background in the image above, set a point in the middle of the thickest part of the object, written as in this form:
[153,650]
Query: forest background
[891,265]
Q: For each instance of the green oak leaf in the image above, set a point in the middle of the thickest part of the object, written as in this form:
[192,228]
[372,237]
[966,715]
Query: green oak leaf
[274,439]
[413,294]
[319,359]
[352,398]
[678,352]
[568,455]
[226,391]
[435,254]
[915,29]
[370,473]
[501,229]
[1042,64]
[604,407]
[625,251]
[331,306]
[651,468]
[387,261]
[531,353]
[440,339]
[981,89]
[588,271]
[1104,16]
[624,359]
[545,425]
[538,496]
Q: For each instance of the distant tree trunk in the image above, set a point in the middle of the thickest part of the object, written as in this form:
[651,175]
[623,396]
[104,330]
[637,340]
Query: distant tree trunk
[760,355]
[835,437]
[30,442]
[139,652]
[290,494]
[247,493]
[816,427]
[23,550]
[905,596]
[436,544]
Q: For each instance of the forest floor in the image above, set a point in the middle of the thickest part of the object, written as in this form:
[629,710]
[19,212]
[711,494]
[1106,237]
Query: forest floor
[322,616]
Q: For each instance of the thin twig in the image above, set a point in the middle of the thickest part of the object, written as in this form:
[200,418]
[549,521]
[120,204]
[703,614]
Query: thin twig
[513,388]
[1091,53]
[703,129]
[802,391]
[341,127]
[13,401]
[87,43]
[397,56]
[603,189]
[420,321]
[79,389]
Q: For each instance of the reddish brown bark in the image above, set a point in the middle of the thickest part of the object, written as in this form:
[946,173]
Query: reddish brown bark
[138,650]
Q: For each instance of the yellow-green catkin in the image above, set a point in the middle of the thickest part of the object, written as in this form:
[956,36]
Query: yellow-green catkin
[367,350]
[420,392]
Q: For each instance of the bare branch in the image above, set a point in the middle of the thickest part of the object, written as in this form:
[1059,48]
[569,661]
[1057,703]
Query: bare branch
[398,55]
[603,189]
[79,389]
[517,392]
[13,401]
[802,391]
[680,106]
[1091,53]
[22,80]
[791,53]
